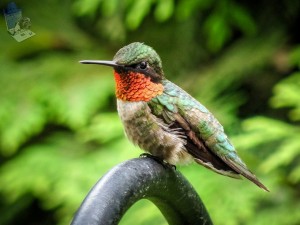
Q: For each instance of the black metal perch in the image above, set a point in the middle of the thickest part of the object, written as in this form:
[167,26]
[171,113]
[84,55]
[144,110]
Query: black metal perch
[142,178]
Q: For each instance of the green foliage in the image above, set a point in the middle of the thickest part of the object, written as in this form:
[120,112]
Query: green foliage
[224,17]
[59,171]
[74,98]
[149,212]
[221,23]
[280,139]
[59,130]
[265,131]
[287,95]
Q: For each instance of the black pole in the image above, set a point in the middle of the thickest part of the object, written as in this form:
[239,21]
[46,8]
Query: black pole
[142,178]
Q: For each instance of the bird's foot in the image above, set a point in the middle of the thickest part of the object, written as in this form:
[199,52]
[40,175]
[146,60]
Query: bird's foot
[159,160]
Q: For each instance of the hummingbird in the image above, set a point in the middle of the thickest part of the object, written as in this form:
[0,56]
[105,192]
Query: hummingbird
[166,121]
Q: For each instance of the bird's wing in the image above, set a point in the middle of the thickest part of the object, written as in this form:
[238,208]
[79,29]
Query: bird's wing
[206,140]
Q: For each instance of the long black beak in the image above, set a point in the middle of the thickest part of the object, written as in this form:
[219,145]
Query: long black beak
[101,62]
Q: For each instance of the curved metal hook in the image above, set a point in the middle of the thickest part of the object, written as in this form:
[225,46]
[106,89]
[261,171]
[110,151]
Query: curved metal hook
[142,178]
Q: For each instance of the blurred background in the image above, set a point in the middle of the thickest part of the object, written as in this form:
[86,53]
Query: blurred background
[59,130]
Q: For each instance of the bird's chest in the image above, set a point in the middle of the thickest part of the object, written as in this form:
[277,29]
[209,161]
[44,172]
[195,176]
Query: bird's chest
[150,133]
[139,123]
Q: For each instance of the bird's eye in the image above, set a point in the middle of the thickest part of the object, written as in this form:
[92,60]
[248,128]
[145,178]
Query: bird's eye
[143,65]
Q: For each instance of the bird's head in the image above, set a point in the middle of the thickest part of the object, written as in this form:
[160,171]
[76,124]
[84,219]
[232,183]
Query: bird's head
[138,72]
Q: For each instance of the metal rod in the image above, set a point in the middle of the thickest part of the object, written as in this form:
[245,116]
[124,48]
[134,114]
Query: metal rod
[142,178]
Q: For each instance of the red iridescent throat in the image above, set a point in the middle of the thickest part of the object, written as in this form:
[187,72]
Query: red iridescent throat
[134,86]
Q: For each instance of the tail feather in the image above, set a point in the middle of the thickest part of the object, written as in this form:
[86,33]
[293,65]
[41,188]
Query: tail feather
[250,176]
[241,168]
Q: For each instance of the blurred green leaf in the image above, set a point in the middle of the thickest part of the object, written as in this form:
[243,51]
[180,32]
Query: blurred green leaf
[109,7]
[108,122]
[295,56]
[286,94]
[151,214]
[242,20]
[137,12]
[188,8]
[89,7]
[164,10]
[218,31]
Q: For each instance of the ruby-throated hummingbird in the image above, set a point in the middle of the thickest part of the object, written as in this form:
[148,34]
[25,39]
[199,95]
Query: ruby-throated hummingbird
[166,121]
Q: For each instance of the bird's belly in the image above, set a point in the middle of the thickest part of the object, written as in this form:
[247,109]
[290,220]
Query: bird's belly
[150,133]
